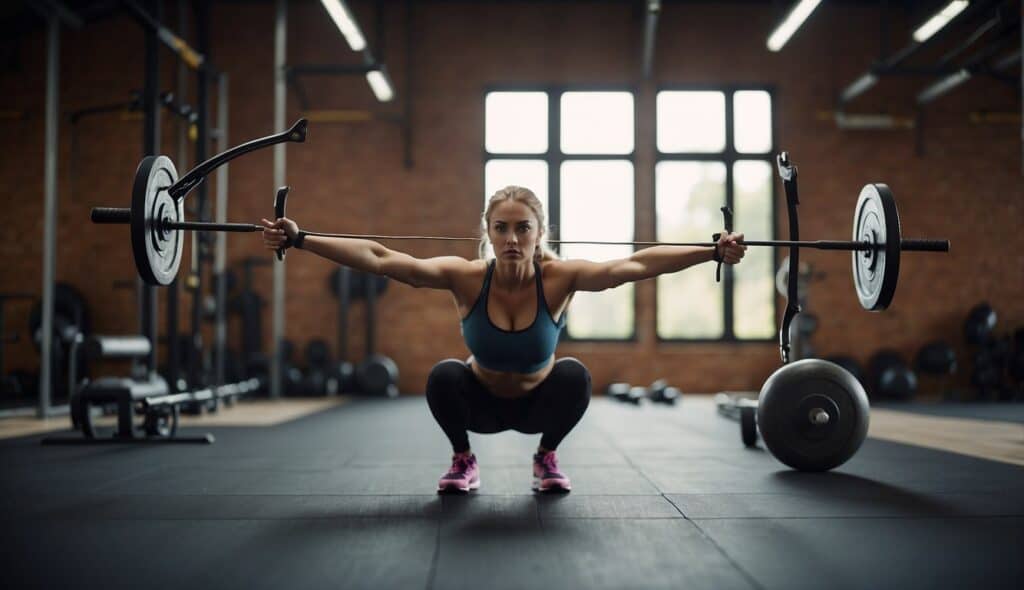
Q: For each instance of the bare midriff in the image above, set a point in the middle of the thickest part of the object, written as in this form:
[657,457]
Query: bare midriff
[510,385]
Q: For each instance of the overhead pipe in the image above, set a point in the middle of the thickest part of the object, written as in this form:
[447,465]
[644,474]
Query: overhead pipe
[889,65]
[974,66]
[977,34]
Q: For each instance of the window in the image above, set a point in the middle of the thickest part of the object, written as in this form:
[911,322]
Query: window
[574,150]
[714,149]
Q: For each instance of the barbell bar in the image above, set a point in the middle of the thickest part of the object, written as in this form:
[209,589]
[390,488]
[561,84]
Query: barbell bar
[116,215]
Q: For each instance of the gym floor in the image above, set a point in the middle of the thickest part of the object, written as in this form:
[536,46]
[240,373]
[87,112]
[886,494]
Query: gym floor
[624,124]
[664,497]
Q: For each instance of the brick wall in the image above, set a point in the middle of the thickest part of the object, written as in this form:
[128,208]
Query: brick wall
[967,186]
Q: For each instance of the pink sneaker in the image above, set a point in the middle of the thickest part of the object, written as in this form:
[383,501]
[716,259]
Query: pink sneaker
[546,476]
[462,476]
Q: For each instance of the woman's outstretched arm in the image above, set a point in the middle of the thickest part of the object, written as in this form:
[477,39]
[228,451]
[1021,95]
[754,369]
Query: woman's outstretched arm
[370,256]
[649,263]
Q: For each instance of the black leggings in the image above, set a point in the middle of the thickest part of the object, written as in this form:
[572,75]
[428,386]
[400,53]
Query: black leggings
[460,402]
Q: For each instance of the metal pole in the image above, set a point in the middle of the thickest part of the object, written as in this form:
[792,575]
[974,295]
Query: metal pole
[407,98]
[49,210]
[199,244]
[280,97]
[173,370]
[220,261]
[151,146]
[182,123]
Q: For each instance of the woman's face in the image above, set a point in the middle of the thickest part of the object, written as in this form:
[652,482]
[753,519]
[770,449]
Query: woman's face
[514,231]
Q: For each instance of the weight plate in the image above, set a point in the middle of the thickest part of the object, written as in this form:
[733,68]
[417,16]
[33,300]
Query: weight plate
[377,375]
[748,426]
[875,271]
[788,416]
[157,253]
[161,421]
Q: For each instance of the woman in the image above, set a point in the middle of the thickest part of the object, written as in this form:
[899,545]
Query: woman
[512,310]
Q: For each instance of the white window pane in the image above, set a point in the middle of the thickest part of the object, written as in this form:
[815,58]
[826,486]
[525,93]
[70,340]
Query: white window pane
[690,121]
[531,174]
[516,122]
[597,200]
[688,199]
[597,122]
[690,306]
[597,204]
[688,196]
[754,278]
[753,116]
[607,314]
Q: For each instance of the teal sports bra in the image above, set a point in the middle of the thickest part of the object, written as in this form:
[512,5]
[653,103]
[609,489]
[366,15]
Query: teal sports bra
[513,351]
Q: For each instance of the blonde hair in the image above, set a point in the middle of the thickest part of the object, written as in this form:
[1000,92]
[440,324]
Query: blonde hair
[526,197]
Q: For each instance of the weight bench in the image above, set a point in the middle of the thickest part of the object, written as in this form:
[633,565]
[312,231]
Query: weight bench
[149,396]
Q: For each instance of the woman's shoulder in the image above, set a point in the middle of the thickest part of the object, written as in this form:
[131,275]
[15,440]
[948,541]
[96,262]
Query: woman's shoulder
[556,268]
[554,265]
[472,269]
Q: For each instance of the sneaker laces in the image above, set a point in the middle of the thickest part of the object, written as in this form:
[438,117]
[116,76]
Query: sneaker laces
[550,462]
[460,464]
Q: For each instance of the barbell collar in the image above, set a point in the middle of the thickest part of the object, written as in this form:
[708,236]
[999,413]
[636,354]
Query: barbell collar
[819,416]
[924,245]
[110,215]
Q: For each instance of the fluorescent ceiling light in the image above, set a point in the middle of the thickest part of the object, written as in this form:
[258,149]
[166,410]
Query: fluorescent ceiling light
[939,20]
[943,86]
[796,17]
[859,86]
[380,85]
[346,24]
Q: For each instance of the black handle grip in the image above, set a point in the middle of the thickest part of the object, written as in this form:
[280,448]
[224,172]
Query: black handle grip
[279,200]
[110,215]
[727,215]
[924,245]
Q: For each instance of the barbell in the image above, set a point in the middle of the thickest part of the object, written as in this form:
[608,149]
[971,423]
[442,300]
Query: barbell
[156,214]
[156,217]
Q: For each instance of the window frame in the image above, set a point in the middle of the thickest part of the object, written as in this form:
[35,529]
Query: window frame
[554,158]
[729,156]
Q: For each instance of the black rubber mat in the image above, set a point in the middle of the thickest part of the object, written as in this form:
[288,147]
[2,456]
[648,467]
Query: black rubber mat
[874,553]
[663,498]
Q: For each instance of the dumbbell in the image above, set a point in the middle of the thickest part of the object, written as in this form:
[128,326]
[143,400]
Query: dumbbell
[636,393]
[661,393]
[618,391]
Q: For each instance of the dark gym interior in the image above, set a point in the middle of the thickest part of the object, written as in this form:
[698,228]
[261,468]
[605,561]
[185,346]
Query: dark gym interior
[776,241]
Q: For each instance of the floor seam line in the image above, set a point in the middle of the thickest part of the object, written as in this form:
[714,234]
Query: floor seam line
[746,575]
